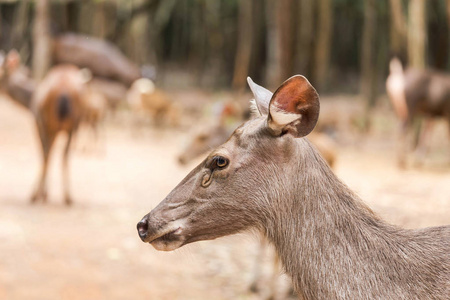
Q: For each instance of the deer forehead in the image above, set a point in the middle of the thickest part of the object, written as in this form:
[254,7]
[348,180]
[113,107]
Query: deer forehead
[250,129]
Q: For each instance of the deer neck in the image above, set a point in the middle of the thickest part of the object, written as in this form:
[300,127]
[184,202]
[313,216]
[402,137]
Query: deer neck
[335,247]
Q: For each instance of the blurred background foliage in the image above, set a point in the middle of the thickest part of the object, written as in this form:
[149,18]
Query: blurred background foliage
[341,45]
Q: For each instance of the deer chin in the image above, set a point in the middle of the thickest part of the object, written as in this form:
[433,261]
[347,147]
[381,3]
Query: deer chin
[168,241]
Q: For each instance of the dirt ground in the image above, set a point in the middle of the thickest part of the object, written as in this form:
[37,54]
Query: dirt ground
[92,251]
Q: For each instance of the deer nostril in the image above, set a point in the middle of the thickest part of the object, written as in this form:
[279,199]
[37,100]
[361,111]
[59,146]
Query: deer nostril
[142,228]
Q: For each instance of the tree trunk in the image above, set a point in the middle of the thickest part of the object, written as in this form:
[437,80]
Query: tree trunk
[42,41]
[416,33]
[138,36]
[287,37]
[214,43]
[448,14]
[322,53]
[20,25]
[244,45]
[273,66]
[368,75]
[398,28]
[305,37]
[86,17]
[99,21]
[448,26]
[257,57]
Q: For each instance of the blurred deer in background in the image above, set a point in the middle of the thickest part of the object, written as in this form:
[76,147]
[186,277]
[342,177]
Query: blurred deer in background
[213,136]
[58,107]
[417,93]
[15,80]
[59,104]
[101,57]
[112,72]
[268,177]
[146,100]
[226,115]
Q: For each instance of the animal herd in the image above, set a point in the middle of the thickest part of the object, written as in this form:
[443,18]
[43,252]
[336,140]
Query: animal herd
[263,175]
[89,76]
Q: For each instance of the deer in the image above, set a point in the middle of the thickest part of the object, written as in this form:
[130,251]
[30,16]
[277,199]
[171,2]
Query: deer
[417,93]
[15,79]
[213,136]
[144,98]
[58,106]
[268,177]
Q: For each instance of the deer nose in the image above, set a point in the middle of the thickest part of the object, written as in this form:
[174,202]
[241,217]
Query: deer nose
[142,228]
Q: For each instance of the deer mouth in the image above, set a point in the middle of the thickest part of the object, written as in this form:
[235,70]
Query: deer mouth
[168,241]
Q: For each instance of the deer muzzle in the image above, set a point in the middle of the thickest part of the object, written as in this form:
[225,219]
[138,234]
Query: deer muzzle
[165,237]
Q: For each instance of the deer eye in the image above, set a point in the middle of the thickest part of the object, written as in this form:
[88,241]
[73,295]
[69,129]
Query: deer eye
[219,162]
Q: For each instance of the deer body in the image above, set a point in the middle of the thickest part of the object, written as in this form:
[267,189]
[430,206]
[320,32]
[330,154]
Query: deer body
[58,107]
[102,58]
[269,177]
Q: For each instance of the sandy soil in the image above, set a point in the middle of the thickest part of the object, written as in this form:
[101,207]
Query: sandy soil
[91,250]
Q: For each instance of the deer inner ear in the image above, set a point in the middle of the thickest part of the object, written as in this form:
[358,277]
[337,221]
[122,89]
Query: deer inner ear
[294,108]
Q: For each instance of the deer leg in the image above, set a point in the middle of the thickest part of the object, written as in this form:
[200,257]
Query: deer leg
[65,169]
[47,140]
[423,141]
[257,271]
[274,279]
[402,144]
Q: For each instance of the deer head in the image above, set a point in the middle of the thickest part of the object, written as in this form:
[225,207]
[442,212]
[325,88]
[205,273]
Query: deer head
[231,190]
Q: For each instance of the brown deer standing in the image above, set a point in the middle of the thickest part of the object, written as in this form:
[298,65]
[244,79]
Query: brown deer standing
[417,93]
[58,107]
[15,80]
[268,177]
[145,99]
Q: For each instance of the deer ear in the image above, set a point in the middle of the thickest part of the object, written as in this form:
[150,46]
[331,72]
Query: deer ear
[294,108]
[262,96]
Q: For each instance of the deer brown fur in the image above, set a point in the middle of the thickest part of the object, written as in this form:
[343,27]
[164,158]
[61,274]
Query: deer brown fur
[58,107]
[103,58]
[269,177]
